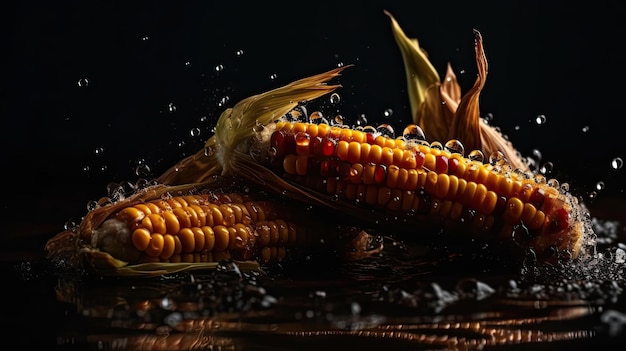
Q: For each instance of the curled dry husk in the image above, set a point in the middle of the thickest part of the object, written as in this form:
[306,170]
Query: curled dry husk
[440,110]
[231,151]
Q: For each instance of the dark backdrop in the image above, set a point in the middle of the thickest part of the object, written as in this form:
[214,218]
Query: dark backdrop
[96,88]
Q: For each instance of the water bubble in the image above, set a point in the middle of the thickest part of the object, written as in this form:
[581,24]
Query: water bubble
[476,155]
[553,183]
[223,101]
[436,145]
[386,130]
[488,117]
[335,98]
[600,185]
[92,205]
[455,146]
[171,107]
[273,76]
[413,132]
[70,224]
[361,120]
[338,120]
[297,114]
[517,127]
[145,38]
[115,191]
[585,129]
[388,112]
[142,170]
[540,120]
[496,158]
[194,132]
[83,83]
[187,63]
[219,68]
[239,52]
[537,154]
[546,168]
[617,163]
[98,151]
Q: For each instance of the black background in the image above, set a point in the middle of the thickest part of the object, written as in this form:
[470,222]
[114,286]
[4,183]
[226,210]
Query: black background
[63,143]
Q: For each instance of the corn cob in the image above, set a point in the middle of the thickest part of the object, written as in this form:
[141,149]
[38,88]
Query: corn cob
[199,228]
[382,177]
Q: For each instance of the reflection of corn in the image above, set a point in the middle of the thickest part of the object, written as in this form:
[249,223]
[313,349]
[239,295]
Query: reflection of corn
[197,228]
[408,178]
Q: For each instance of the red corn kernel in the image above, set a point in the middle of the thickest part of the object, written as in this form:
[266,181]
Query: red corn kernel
[441,164]
[453,164]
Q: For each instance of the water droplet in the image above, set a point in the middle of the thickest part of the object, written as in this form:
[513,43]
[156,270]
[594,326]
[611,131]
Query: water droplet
[600,185]
[585,129]
[338,120]
[386,130]
[92,205]
[517,127]
[617,163]
[299,113]
[187,63]
[436,145]
[335,98]
[496,158]
[209,151]
[537,154]
[273,76]
[194,132]
[553,183]
[171,107]
[361,121]
[413,132]
[455,146]
[388,112]
[223,101]
[145,38]
[98,151]
[239,52]
[83,83]
[546,168]
[219,68]
[142,170]
[540,120]
[316,117]
[69,225]
[476,155]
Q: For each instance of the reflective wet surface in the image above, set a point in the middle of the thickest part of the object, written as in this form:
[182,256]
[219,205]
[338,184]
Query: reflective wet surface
[411,296]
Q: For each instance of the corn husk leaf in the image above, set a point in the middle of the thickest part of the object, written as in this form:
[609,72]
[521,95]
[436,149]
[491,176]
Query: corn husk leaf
[420,73]
[437,108]
[235,129]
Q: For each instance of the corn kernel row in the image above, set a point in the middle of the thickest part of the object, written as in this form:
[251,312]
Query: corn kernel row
[403,177]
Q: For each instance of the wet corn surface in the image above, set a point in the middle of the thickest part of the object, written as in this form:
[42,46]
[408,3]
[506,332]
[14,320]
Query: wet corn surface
[411,296]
